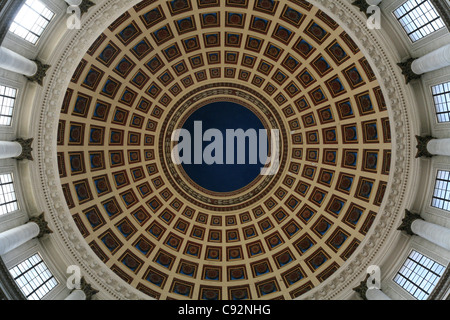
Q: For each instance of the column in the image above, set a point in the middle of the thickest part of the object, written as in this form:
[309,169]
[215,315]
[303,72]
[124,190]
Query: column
[429,146]
[370,294]
[439,147]
[376,294]
[76,295]
[35,71]
[432,61]
[20,149]
[86,292]
[413,68]
[11,239]
[413,224]
[14,62]
[10,149]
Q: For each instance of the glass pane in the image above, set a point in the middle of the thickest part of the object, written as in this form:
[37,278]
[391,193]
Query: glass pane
[33,278]
[441,194]
[31,21]
[418,19]
[423,278]
[8,200]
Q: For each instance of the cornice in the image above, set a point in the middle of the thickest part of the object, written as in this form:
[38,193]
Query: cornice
[64,61]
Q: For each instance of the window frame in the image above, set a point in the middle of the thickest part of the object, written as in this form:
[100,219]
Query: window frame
[409,280]
[26,48]
[435,189]
[447,102]
[2,191]
[15,218]
[14,105]
[30,31]
[405,32]
[32,269]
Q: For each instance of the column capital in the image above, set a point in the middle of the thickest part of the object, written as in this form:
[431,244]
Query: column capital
[407,70]
[362,288]
[40,74]
[86,5]
[26,149]
[87,289]
[422,143]
[43,225]
[407,222]
[362,5]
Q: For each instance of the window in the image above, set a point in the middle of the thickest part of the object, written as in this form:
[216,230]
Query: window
[419,275]
[441,195]
[33,278]
[418,18]
[7,100]
[441,96]
[8,200]
[31,21]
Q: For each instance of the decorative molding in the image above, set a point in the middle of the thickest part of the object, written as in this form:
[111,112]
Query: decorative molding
[43,225]
[40,74]
[26,149]
[407,71]
[70,51]
[407,222]
[422,143]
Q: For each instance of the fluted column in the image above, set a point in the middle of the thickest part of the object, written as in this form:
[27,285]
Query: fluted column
[19,149]
[414,224]
[414,68]
[13,238]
